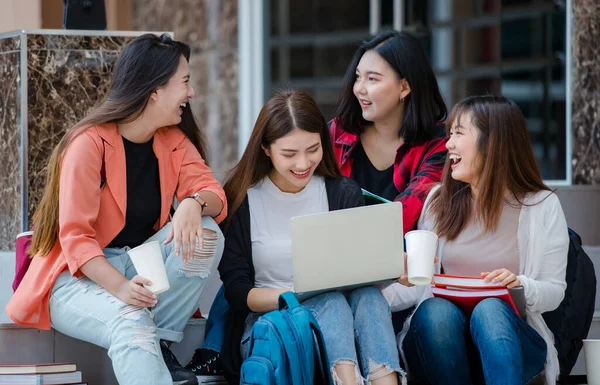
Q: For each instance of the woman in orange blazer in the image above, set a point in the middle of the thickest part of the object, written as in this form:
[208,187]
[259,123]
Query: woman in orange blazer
[111,183]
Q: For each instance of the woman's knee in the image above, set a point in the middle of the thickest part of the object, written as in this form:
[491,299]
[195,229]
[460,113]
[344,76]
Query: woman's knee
[370,300]
[437,317]
[336,301]
[490,314]
[207,255]
[208,223]
[332,303]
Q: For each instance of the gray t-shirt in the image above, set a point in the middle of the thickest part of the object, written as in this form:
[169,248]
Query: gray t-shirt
[270,213]
[475,251]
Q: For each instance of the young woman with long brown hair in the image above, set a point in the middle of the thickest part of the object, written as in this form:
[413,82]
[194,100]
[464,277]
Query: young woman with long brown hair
[495,218]
[111,182]
[288,169]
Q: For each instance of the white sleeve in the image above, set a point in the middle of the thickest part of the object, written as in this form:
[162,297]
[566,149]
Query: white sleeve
[401,297]
[425,221]
[547,291]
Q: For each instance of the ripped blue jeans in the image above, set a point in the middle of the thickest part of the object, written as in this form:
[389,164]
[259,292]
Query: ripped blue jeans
[82,309]
[357,330]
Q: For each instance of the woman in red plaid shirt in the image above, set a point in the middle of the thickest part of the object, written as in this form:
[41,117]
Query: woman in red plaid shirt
[388,134]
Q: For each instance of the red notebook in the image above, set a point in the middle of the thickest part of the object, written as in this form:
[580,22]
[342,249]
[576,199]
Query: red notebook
[463,281]
[466,292]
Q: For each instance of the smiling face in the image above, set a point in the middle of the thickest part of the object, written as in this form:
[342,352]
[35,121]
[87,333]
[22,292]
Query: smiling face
[378,88]
[295,157]
[463,151]
[170,99]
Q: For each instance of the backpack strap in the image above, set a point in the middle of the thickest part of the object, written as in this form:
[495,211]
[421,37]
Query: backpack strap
[321,364]
[288,299]
[322,374]
[290,339]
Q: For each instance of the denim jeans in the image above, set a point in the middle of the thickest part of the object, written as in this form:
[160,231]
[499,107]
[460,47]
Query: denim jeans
[494,346]
[215,324]
[82,309]
[359,326]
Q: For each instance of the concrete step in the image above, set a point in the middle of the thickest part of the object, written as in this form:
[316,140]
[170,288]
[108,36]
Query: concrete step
[20,345]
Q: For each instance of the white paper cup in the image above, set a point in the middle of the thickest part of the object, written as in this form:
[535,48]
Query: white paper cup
[148,262]
[421,247]
[591,350]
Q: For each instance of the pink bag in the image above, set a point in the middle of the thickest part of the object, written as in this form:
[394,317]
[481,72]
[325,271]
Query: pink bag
[24,240]
[23,261]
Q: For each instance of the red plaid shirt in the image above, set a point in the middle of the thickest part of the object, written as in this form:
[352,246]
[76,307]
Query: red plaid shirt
[416,170]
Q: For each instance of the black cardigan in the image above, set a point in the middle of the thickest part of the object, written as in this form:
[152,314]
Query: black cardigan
[237,269]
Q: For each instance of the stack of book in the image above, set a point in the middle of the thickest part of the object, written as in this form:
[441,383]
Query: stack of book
[466,292]
[40,374]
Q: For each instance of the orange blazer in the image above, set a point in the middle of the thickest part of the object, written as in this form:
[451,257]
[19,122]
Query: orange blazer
[90,216]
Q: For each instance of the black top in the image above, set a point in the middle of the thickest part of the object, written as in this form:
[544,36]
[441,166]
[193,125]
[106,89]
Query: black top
[143,195]
[371,179]
[237,269]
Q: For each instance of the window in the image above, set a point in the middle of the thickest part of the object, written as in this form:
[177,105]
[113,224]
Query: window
[512,47]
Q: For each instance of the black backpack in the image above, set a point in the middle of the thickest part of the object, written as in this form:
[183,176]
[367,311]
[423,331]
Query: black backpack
[571,321]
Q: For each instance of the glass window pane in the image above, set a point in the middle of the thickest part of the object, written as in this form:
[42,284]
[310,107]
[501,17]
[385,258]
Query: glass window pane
[319,16]
[523,38]
[543,104]
[302,64]
[514,47]
[479,45]
[481,86]
[521,3]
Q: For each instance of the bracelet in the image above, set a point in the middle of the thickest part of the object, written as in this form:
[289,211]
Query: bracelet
[198,199]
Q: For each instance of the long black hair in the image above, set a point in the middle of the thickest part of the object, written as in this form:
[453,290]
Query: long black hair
[424,105]
[145,64]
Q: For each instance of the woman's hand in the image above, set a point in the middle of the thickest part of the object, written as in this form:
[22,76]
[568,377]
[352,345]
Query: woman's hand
[133,293]
[403,280]
[186,228]
[501,276]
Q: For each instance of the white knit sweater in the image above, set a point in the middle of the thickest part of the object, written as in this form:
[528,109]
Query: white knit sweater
[543,244]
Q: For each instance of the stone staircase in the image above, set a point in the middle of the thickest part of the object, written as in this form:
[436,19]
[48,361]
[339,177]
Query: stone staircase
[20,345]
[25,345]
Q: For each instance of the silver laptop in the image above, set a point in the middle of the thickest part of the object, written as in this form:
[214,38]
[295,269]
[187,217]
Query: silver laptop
[347,249]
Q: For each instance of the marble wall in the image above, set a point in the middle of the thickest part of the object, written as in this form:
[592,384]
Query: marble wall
[66,76]
[10,172]
[585,121]
[210,28]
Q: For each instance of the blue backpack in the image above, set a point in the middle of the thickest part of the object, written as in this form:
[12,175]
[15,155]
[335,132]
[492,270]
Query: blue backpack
[286,348]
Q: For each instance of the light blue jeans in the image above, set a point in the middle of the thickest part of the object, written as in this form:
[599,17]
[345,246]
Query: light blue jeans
[353,327]
[82,309]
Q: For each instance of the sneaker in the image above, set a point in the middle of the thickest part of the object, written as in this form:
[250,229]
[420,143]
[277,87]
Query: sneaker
[180,375]
[206,362]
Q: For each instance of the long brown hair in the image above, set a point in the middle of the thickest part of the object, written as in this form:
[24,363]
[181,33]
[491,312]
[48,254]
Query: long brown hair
[145,64]
[284,112]
[505,161]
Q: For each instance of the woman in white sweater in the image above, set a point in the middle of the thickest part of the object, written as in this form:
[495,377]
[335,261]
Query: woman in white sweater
[496,219]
